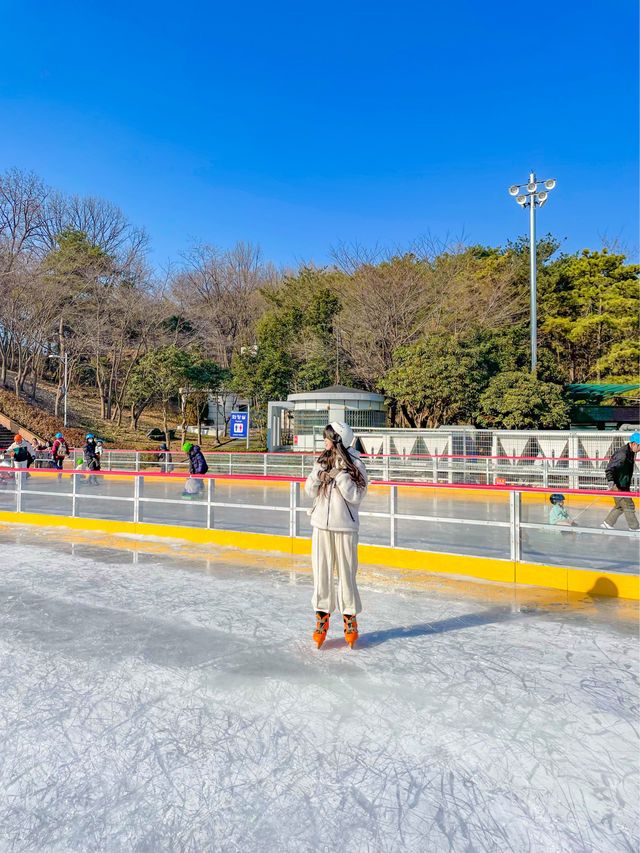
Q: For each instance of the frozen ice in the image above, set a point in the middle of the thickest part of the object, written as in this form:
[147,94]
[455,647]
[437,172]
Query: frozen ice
[166,702]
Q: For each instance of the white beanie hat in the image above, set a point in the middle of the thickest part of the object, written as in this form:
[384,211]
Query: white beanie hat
[344,431]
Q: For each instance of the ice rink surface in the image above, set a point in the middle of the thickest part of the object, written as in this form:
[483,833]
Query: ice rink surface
[155,701]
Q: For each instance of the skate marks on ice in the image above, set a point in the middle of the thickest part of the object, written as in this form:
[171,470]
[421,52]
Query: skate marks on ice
[424,629]
[150,708]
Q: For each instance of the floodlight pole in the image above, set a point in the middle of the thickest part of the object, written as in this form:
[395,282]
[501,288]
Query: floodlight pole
[533,277]
[533,197]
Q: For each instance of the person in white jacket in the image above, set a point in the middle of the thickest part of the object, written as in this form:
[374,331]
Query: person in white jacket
[22,453]
[337,483]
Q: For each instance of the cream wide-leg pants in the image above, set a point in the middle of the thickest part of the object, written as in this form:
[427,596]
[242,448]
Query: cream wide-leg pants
[331,550]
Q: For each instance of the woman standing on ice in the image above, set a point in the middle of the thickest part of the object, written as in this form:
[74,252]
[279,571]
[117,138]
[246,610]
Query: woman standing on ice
[337,483]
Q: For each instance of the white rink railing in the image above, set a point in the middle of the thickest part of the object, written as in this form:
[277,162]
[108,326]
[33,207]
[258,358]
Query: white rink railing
[495,522]
[560,473]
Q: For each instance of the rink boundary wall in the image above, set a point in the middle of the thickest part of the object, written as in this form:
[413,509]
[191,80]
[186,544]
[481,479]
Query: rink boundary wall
[501,571]
[471,491]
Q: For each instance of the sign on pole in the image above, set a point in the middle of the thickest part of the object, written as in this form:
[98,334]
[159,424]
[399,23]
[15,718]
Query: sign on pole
[239,425]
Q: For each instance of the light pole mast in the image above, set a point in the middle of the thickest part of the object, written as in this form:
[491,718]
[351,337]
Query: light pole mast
[533,277]
[533,199]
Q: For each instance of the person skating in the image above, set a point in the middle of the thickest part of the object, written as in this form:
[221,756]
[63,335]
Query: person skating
[558,513]
[165,458]
[337,483]
[43,455]
[619,473]
[197,465]
[6,477]
[59,452]
[19,453]
[91,459]
[32,453]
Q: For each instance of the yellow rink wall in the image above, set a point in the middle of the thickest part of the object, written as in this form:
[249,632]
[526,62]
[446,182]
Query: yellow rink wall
[500,571]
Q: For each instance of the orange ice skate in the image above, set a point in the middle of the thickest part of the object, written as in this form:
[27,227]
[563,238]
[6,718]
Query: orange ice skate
[350,629]
[320,634]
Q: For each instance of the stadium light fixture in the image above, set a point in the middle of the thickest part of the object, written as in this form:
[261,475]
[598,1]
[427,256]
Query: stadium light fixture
[533,199]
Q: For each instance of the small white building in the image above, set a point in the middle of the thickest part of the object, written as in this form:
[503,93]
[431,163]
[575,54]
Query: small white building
[218,411]
[220,407]
[359,409]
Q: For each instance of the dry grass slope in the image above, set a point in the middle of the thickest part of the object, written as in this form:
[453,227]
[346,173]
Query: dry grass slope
[84,416]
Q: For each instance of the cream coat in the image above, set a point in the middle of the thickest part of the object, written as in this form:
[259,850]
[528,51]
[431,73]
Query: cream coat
[336,510]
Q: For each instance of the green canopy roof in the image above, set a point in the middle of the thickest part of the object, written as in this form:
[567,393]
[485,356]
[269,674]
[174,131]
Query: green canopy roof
[594,391]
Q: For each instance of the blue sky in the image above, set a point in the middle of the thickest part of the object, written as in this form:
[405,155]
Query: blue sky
[299,126]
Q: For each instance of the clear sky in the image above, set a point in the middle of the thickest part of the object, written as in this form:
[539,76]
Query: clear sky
[300,125]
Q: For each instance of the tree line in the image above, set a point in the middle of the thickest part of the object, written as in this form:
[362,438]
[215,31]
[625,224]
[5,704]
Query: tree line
[442,330]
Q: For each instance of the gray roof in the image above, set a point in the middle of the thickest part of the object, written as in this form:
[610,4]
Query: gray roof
[337,392]
[336,389]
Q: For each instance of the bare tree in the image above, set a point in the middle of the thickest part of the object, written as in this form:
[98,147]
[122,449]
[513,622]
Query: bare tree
[28,315]
[22,200]
[384,307]
[102,221]
[350,257]
[219,291]
[22,217]
[97,258]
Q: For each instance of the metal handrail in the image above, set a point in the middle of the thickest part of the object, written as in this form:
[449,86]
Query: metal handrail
[283,478]
[293,507]
[556,472]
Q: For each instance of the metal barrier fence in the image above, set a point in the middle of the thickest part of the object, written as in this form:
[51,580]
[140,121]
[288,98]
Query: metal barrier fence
[498,523]
[468,441]
[560,473]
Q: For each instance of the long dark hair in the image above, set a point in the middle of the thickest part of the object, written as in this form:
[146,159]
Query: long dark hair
[328,458]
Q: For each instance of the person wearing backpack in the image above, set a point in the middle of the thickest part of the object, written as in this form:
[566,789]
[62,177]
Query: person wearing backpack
[59,452]
[337,483]
[91,459]
[165,458]
[19,453]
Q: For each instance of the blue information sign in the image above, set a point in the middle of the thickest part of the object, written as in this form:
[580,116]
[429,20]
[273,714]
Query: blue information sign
[239,424]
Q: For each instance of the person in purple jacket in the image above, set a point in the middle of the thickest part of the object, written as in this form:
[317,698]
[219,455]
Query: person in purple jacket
[197,465]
